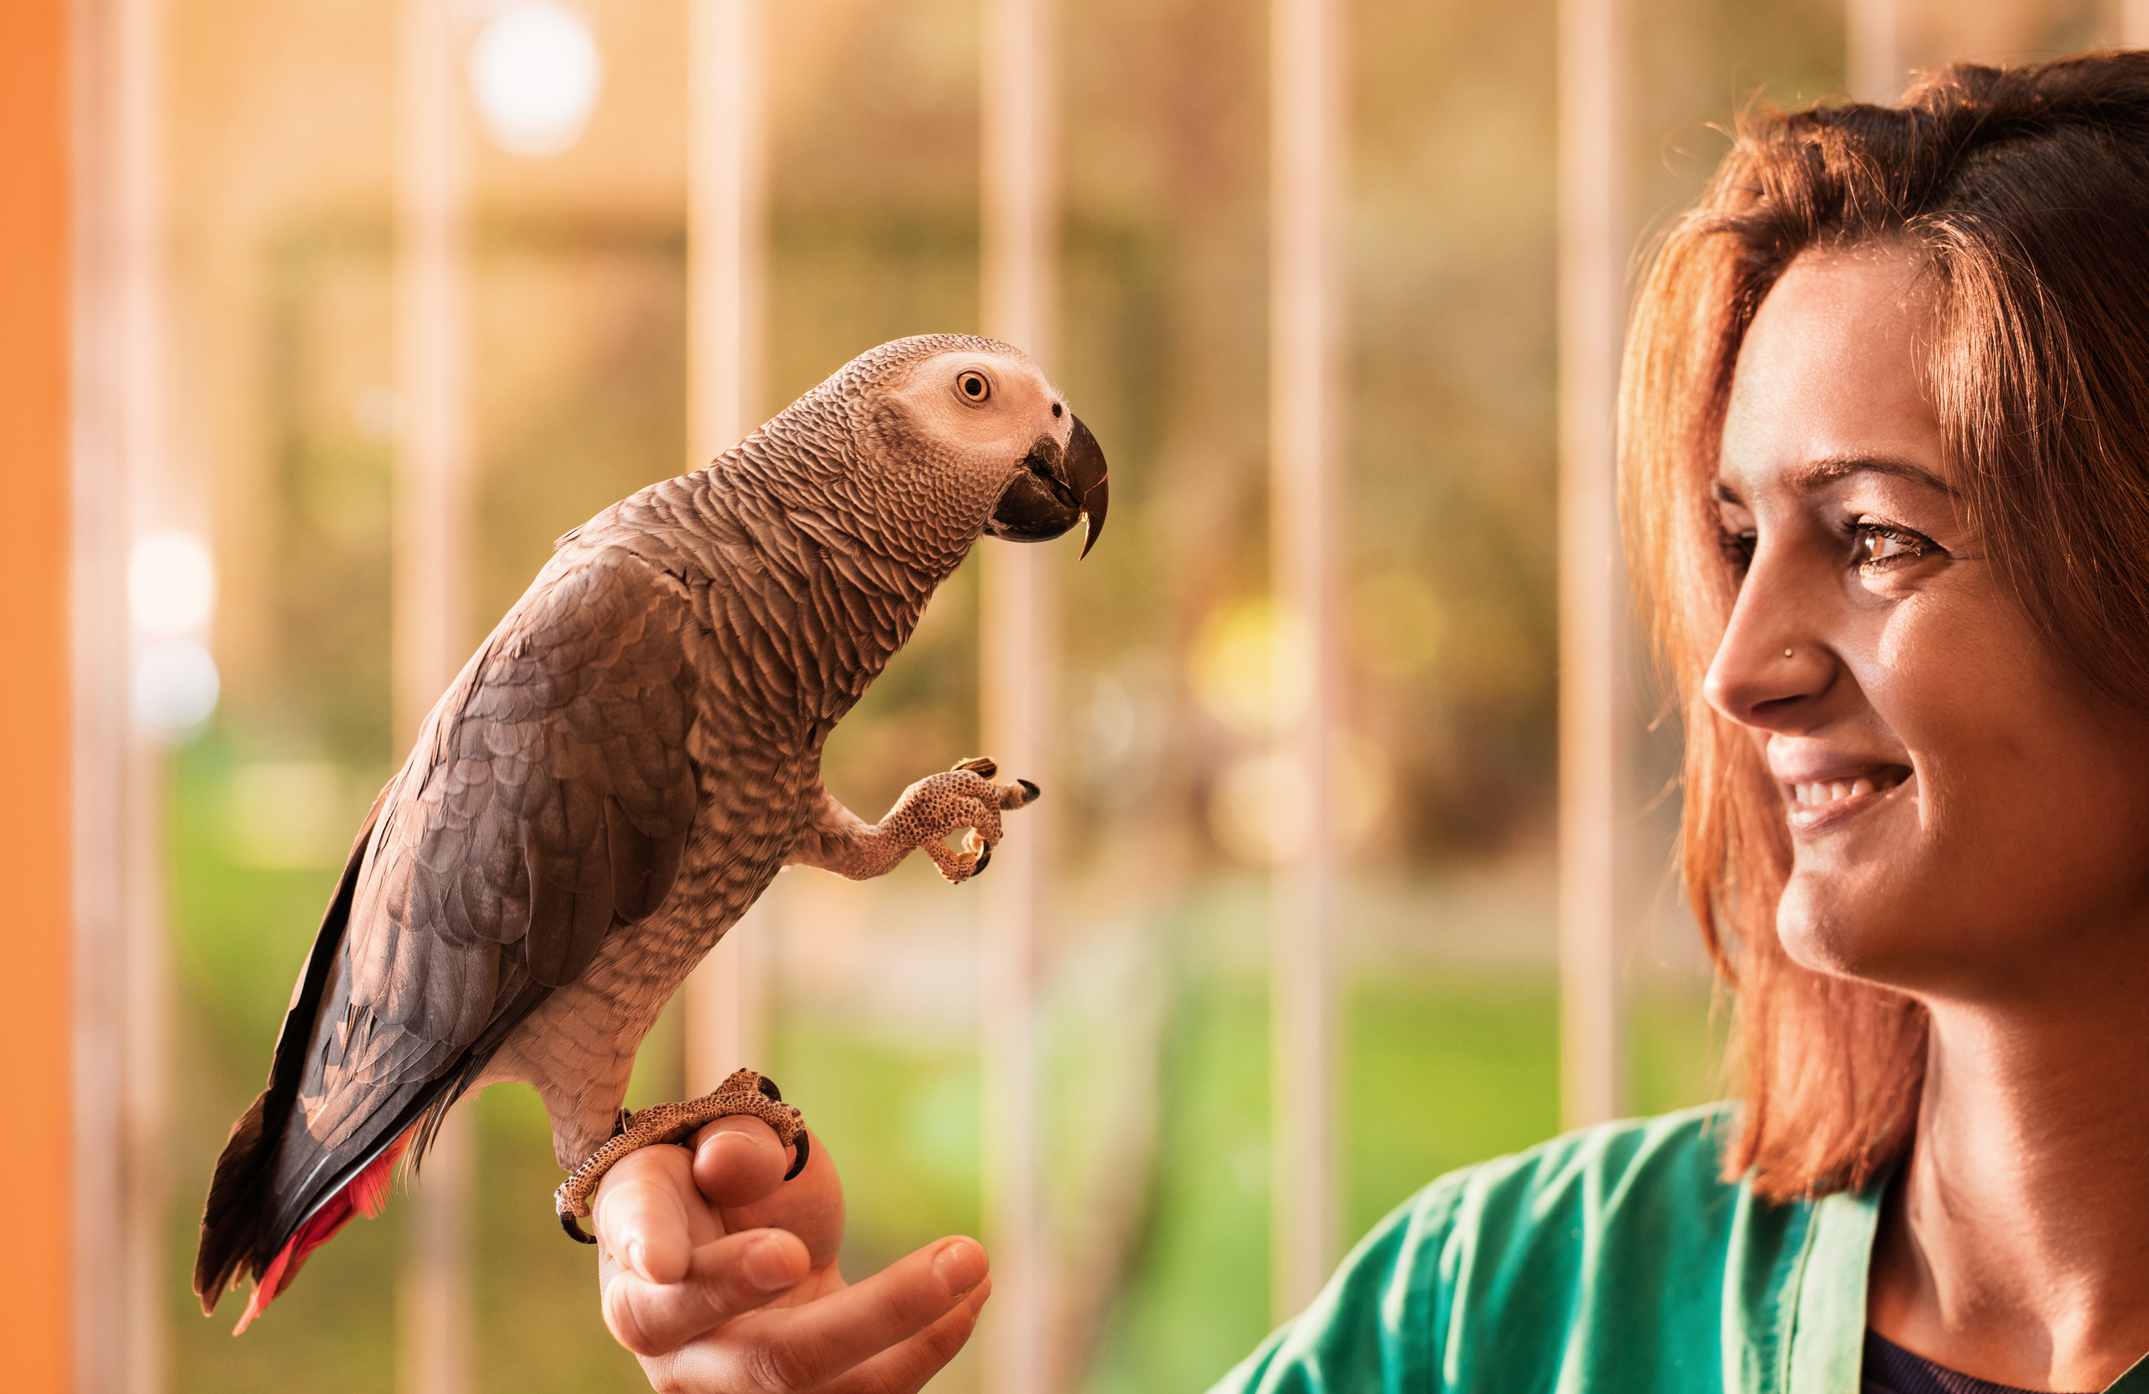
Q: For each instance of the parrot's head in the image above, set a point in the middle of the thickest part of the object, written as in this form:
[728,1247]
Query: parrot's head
[975,425]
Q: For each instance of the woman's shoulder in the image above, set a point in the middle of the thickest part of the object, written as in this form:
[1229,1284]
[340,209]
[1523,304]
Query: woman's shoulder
[1633,1172]
[1613,1248]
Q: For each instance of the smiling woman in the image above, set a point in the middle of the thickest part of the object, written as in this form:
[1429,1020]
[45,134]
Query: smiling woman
[1884,420]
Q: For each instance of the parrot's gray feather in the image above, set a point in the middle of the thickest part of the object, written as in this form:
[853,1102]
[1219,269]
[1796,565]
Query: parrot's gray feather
[547,803]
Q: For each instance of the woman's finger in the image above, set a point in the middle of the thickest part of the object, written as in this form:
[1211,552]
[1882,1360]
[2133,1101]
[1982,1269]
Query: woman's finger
[732,1275]
[796,1349]
[644,1219]
[904,1369]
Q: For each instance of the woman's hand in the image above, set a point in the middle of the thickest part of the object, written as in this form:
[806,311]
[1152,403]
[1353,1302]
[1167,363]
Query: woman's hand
[721,1276]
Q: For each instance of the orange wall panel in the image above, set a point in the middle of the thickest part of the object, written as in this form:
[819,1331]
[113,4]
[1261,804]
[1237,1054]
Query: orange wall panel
[35,1137]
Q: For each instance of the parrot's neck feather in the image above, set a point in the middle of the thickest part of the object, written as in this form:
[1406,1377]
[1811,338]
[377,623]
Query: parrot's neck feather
[903,546]
[835,596]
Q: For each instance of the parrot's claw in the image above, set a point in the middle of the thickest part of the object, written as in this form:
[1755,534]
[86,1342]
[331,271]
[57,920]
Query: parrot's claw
[742,1092]
[966,797]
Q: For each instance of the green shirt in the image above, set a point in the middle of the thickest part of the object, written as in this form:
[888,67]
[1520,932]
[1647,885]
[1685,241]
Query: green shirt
[1612,1260]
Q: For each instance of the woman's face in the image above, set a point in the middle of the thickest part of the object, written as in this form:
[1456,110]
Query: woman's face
[1967,818]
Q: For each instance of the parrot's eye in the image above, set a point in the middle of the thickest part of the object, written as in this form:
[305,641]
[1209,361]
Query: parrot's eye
[973,386]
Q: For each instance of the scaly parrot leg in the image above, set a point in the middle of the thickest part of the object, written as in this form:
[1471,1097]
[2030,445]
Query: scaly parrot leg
[742,1092]
[964,798]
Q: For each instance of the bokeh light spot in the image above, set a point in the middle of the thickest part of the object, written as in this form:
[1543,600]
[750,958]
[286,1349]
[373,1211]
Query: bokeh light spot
[171,584]
[175,686]
[534,72]
[1256,807]
[1232,669]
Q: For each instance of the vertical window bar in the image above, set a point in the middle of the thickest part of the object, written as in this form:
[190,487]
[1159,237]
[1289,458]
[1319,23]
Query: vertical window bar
[727,997]
[103,465]
[1873,39]
[1592,251]
[1018,624]
[431,601]
[125,1040]
[1303,336]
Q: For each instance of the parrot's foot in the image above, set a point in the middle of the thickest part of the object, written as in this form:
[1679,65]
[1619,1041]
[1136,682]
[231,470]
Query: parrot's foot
[742,1092]
[964,797]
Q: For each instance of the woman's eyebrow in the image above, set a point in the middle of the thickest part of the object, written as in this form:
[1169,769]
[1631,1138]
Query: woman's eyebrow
[1830,469]
[1818,474]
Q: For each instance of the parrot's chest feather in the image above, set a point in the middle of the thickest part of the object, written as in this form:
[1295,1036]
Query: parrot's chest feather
[578,1047]
[788,653]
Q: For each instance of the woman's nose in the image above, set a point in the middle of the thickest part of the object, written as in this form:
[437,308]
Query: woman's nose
[1770,663]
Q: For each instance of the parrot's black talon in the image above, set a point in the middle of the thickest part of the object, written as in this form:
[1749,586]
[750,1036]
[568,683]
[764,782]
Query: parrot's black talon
[803,1150]
[1030,792]
[620,1120]
[984,859]
[574,1231]
[769,1090]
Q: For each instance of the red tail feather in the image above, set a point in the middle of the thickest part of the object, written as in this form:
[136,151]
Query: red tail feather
[366,1195]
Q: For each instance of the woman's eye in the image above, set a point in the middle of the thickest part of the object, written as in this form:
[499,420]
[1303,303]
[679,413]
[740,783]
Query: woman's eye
[1878,546]
[1875,546]
[973,386]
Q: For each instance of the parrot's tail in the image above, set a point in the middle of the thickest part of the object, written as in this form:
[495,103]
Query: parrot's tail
[249,1222]
[367,1195]
[234,1219]
[231,1220]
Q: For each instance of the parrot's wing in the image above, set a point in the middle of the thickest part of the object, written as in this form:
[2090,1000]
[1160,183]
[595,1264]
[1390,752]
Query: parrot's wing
[547,802]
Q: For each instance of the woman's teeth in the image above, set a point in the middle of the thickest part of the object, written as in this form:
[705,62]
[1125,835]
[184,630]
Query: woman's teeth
[1825,792]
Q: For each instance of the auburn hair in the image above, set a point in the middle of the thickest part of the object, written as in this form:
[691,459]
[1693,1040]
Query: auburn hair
[2024,193]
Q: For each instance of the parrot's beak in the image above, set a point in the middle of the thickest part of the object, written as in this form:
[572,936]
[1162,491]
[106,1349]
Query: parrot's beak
[1056,489]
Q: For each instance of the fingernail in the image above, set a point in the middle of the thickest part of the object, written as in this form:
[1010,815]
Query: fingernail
[959,1265]
[730,1148]
[638,1258]
[768,1264]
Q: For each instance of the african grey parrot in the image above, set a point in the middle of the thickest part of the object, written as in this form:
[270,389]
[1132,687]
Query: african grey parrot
[621,769]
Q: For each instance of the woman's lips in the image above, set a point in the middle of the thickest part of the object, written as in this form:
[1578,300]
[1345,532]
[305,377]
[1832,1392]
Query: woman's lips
[1820,804]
